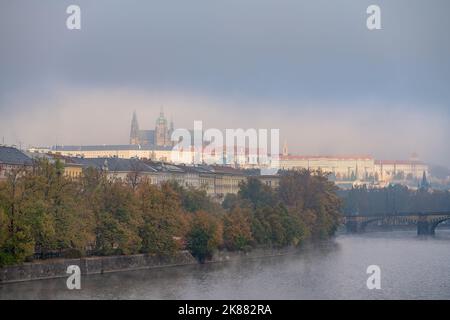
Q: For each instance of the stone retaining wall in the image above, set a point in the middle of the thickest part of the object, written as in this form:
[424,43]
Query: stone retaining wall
[56,268]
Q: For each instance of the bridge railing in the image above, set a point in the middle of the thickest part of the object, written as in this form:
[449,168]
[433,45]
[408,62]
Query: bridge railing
[400,214]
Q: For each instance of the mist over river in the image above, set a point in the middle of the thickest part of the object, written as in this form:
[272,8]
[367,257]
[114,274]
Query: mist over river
[411,268]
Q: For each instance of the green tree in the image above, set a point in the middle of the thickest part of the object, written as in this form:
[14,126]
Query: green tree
[118,220]
[257,193]
[19,243]
[237,231]
[312,198]
[204,236]
[164,224]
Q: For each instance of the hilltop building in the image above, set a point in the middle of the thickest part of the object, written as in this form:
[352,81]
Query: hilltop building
[156,145]
[159,137]
[359,168]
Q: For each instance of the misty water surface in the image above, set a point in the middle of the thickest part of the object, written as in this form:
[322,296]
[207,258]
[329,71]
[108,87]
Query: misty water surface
[412,268]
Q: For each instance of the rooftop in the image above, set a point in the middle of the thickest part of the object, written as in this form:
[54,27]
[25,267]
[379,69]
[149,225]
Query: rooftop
[327,157]
[114,164]
[106,147]
[10,155]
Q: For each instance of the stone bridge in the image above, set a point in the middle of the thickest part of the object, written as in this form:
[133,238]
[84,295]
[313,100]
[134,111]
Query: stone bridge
[426,221]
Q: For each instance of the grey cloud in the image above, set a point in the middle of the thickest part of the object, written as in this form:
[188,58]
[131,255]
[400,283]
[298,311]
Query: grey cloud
[258,57]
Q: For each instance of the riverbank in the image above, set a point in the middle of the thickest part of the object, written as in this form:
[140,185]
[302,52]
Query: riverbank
[412,267]
[56,268]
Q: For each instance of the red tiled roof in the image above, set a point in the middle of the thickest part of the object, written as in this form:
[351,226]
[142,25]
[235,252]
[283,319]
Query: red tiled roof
[331,157]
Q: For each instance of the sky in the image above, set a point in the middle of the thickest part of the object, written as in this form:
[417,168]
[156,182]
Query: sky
[309,68]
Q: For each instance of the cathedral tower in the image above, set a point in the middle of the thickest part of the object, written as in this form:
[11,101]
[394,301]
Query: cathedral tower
[134,133]
[162,131]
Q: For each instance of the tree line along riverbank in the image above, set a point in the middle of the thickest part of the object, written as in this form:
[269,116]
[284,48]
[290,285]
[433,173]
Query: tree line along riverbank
[45,214]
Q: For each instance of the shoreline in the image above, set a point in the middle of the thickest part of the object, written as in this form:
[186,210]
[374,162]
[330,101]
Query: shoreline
[56,268]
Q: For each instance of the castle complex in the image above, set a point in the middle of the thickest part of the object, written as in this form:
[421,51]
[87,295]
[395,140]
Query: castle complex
[156,145]
[159,137]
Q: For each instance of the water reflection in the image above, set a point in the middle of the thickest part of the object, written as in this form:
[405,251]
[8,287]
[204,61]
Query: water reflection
[412,268]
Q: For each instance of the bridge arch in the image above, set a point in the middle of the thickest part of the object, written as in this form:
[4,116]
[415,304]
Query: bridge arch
[426,222]
[364,224]
[434,224]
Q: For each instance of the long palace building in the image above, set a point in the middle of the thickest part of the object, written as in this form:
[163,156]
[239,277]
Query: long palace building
[358,167]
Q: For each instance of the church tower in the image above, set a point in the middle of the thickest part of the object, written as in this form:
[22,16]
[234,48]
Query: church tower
[134,132]
[424,184]
[162,131]
[285,149]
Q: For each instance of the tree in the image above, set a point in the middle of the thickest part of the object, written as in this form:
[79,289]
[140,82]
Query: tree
[194,200]
[400,175]
[237,231]
[230,201]
[163,220]
[19,243]
[424,184]
[204,236]
[313,199]
[117,220]
[257,193]
[42,212]
[135,175]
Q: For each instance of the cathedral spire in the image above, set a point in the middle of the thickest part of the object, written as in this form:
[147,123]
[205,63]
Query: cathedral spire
[134,132]
[424,185]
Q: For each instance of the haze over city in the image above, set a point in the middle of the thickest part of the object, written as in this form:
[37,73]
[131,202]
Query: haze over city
[311,69]
[323,172]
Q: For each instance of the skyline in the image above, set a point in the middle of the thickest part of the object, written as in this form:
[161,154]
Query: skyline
[244,151]
[311,69]
[335,145]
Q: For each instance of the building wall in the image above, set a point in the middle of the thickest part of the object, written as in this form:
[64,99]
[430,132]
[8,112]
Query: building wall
[392,170]
[227,183]
[208,183]
[362,168]
[271,181]
[73,171]
[6,169]
[342,168]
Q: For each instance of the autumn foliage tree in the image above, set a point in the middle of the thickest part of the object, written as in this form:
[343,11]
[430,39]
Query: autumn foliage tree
[204,236]
[311,197]
[164,223]
[43,213]
[237,232]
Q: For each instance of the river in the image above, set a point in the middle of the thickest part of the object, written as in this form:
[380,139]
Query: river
[411,268]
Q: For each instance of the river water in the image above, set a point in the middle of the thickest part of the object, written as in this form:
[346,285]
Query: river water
[411,268]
